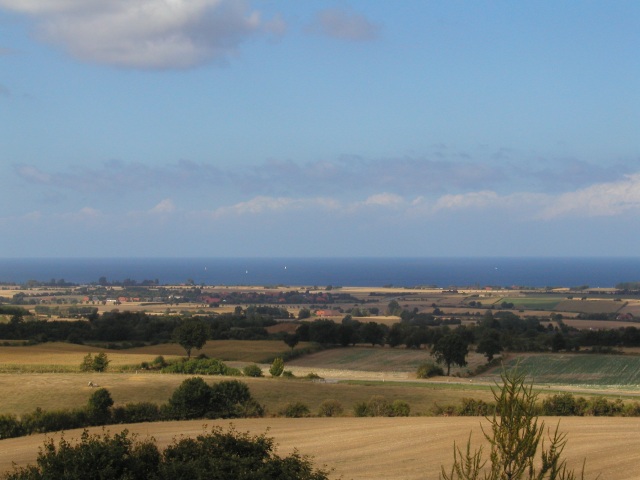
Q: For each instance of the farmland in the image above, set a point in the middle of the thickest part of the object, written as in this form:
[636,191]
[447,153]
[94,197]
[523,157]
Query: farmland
[47,375]
[582,370]
[392,448]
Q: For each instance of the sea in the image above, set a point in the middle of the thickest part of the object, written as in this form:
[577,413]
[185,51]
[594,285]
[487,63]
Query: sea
[440,272]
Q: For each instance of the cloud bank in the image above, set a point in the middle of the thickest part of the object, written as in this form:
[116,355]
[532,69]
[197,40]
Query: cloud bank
[147,34]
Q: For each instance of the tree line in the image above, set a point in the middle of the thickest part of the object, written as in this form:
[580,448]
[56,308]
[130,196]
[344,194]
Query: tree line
[193,399]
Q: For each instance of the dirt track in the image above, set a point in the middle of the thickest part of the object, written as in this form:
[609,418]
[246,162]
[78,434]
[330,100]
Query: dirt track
[393,448]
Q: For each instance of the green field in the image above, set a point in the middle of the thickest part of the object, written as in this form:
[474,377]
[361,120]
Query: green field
[532,303]
[582,369]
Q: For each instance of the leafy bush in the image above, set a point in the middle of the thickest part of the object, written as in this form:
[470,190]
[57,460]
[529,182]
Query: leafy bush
[428,370]
[470,407]
[288,374]
[252,370]
[330,408]
[277,367]
[201,366]
[313,376]
[223,455]
[378,406]
[10,426]
[562,404]
[360,409]
[601,407]
[95,457]
[296,410]
[400,408]
[40,421]
[136,413]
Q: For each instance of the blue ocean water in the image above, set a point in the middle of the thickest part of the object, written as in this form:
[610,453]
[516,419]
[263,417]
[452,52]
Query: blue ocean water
[406,272]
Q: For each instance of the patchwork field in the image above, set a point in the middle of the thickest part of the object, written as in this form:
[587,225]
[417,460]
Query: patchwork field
[391,448]
[614,371]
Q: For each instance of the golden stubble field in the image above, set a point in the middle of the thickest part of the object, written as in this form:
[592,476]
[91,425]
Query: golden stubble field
[390,448]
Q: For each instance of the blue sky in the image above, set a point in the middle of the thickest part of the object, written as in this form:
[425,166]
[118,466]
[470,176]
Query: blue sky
[319,128]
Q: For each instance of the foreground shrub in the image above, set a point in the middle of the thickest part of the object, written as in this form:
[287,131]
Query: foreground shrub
[95,457]
[428,370]
[515,438]
[216,455]
[252,370]
[330,408]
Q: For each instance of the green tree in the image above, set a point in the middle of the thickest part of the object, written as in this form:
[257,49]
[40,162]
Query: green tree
[100,362]
[489,345]
[394,308]
[87,363]
[277,367]
[232,399]
[451,349]
[373,333]
[191,399]
[291,339]
[514,437]
[99,406]
[191,334]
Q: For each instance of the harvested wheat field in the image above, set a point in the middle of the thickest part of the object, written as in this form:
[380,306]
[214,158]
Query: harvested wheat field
[390,448]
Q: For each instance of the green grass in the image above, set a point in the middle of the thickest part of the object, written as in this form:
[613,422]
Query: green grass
[582,369]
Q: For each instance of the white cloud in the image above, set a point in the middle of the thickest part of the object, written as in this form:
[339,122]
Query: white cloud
[165,206]
[343,25]
[604,199]
[480,199]
[384,200]
[264,204]
[147,34]
[33,174]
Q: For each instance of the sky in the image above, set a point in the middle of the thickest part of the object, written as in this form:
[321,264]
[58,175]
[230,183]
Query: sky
[224,128]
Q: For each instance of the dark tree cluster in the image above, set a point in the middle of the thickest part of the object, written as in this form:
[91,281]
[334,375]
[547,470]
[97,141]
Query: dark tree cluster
[194,398]
[218,455]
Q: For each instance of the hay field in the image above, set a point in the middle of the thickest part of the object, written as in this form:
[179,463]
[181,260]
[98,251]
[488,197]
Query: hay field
[21,394]
[64,357]
[59,356]
[391,448]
